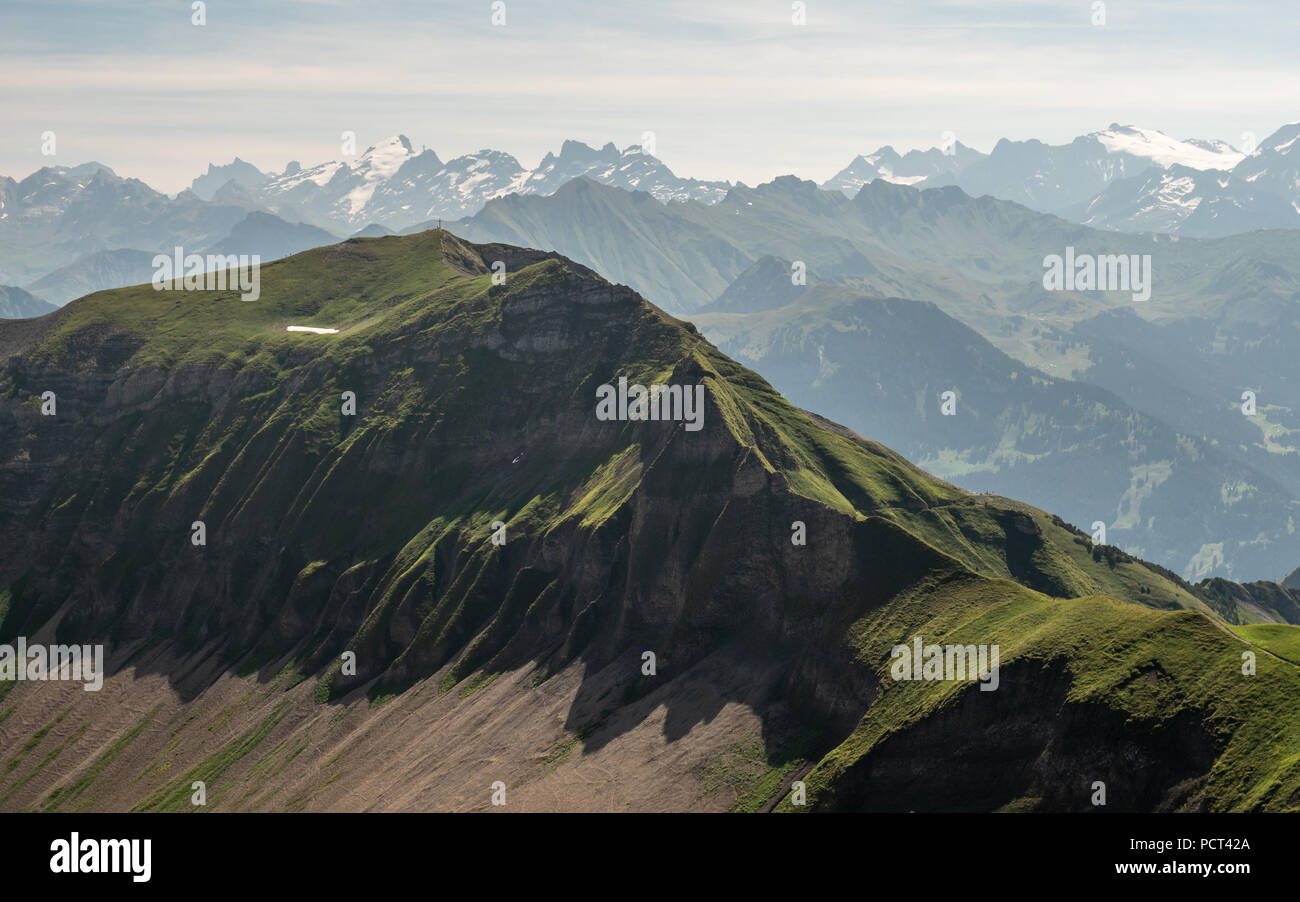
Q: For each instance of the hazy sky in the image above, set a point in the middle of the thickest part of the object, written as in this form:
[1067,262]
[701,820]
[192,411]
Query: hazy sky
[732,90]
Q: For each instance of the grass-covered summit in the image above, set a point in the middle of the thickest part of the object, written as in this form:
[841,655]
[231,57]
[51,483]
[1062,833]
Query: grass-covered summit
[372,533]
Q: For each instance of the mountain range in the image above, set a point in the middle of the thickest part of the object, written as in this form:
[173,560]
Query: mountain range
[1123,179]
[393,184]
[1163,454]
[908,169]
[1120,179]
[1054,178]
[65,232]
[1172,372]
[472,580]
[1260,192]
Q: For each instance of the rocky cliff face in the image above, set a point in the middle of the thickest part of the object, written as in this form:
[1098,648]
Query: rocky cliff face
[474,517]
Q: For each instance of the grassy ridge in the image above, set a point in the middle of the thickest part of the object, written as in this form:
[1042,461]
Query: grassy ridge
[1151,666]
[347,509]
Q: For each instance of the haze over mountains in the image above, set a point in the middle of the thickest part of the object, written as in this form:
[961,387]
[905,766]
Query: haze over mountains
[1161,453]
[1120,179]
[1088,180]
[1262,191]
[394,185]
[66,231]
[1054,178]
[18,304]
[372,534]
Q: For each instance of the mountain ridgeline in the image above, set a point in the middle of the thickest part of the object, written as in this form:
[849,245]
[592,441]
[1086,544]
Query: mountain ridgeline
[533,595]
[1186,479]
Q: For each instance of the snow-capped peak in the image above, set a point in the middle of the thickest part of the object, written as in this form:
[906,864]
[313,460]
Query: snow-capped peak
[1165,151]
[377,165]
[386,157]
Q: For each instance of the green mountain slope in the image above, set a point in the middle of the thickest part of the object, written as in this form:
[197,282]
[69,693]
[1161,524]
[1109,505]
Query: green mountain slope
[373,534]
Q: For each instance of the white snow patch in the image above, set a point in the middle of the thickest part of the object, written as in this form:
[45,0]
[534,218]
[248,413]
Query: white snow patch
[384,159]
[323,173]
[377,164]
[901,179]
[315,330]
[1166,151]
[1281,147]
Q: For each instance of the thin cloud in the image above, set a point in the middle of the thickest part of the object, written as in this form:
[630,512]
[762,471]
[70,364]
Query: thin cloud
[732,90]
